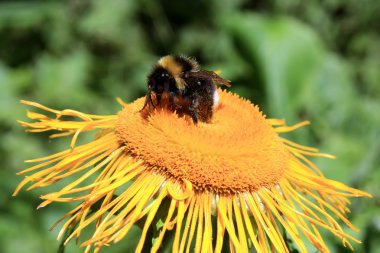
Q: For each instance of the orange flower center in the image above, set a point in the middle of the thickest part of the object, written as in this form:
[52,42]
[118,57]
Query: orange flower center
[238,151]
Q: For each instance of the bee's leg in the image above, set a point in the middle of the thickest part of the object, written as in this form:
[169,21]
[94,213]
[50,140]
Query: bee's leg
[193,110]
[145,103]
[158,97]
[171,100]
[148,100]
[194,116]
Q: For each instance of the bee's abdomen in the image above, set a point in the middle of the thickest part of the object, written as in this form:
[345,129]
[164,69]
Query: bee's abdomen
[201,94]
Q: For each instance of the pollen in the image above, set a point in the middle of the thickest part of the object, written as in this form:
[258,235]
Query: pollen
[220,156]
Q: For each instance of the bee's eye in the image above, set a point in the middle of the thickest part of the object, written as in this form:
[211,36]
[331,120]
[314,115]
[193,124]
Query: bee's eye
[199,83]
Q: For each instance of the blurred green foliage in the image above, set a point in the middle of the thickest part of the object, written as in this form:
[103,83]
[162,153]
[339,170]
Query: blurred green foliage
[315,60]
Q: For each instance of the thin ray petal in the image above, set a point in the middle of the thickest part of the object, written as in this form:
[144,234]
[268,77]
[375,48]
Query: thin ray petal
[253,184]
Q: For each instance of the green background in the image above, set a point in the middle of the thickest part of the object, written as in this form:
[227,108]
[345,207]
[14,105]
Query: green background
[314,60]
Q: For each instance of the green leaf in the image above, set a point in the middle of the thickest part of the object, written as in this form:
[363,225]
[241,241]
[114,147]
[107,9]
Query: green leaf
[287,53]
[68,75]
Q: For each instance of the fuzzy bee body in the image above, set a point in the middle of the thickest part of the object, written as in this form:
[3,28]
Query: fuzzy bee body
[189,89]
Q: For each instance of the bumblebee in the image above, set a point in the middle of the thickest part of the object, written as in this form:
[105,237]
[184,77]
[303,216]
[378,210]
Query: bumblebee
[178,83]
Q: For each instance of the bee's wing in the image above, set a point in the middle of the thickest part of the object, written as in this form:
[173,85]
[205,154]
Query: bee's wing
[210,74]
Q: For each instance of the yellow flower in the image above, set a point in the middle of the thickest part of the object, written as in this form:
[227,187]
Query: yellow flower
[233,176]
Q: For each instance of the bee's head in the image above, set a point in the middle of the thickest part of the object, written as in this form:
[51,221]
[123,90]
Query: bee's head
[160,81]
